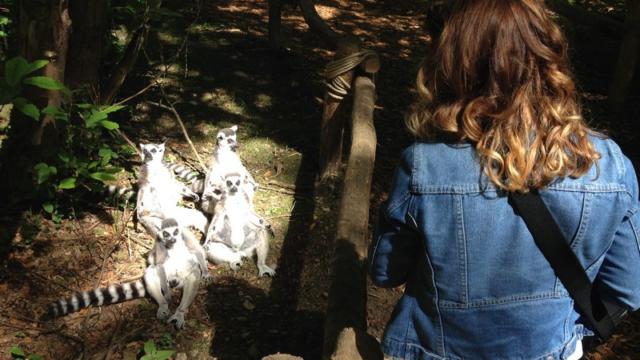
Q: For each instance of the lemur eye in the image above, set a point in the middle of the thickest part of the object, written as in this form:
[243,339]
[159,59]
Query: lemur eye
[166,234]
[238,182]
[229,183]
[175,232]
[154,151]
[220,137]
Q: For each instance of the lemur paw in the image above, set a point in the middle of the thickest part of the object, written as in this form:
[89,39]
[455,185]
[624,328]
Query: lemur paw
[163,312]
[207,278]
[177,320]
[235,265]
[264,270]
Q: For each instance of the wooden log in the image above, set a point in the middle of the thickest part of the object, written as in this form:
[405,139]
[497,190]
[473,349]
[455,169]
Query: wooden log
[627,60]
[345,334]
[275,20]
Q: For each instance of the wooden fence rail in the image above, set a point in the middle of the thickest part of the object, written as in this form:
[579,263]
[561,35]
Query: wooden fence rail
[345,336]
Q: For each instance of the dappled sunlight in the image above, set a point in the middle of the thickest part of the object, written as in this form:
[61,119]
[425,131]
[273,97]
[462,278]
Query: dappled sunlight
[327,12]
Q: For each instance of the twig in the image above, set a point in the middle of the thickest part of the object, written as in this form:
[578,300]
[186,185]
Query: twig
[44,278]
[179,119]
[287,186]
[131,143]
[112,341]
[287,216]
[283,191]
[144,89]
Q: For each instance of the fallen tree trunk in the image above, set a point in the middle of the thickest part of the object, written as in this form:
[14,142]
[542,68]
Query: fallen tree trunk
[345,335]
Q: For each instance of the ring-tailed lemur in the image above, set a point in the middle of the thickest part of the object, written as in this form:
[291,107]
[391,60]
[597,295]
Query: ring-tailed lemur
[236,231]
[176,261]
[193,179]
[159,193]
[225,160]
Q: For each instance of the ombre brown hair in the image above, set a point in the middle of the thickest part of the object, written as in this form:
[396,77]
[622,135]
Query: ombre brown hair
[500,79]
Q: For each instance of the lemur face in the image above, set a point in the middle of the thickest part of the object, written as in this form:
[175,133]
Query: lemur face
[232,183]
[152,152]
[169,232]
[227,139]
[214,192]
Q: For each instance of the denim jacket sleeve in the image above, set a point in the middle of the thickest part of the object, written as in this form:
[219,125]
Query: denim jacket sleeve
[619,275]
[395,245]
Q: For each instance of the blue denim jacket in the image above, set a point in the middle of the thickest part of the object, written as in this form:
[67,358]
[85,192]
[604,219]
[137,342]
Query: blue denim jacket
[477,286]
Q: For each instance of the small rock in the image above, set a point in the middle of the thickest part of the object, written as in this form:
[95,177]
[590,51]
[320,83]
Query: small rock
[248,305]
[241,74]
[181,356]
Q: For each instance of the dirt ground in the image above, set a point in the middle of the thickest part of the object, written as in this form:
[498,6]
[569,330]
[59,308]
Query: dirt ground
[226,74]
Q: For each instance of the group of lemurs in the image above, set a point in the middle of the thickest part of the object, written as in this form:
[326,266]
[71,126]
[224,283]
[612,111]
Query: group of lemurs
[226,216]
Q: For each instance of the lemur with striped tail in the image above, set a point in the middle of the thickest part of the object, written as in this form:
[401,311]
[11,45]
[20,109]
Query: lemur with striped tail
[225,160]
[177,261]
[159,193]
[182,172]
[236,231]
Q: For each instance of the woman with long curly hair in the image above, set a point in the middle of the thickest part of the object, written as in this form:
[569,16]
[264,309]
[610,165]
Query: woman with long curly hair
[497,112]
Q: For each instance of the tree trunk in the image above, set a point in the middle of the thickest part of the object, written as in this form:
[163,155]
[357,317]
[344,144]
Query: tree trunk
[86,43]
[44,28]
[627,60]
[43,33]
[57,56]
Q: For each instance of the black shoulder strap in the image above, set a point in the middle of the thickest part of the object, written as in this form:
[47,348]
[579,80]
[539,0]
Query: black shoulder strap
[564,262]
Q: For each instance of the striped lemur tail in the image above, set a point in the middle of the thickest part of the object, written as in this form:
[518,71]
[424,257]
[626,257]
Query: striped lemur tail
[112,294]
[183,172]
[194,179]
[119,192]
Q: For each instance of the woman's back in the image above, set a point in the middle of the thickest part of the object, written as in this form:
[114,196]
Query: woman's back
[499,85]
[477,285]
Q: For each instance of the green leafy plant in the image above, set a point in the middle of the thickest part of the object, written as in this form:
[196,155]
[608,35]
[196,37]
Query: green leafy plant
[151,353]
[89,145]
[17,353]
[86,156]
[16,71]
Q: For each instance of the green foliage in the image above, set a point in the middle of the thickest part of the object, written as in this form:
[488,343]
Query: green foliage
[89,145]
[15,77]
[4,22]
[151,353]
[85,158]
[17,353]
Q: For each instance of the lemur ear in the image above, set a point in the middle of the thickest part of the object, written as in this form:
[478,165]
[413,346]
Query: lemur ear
[234,128]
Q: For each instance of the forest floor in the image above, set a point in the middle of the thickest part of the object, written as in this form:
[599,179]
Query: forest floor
[227,74]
